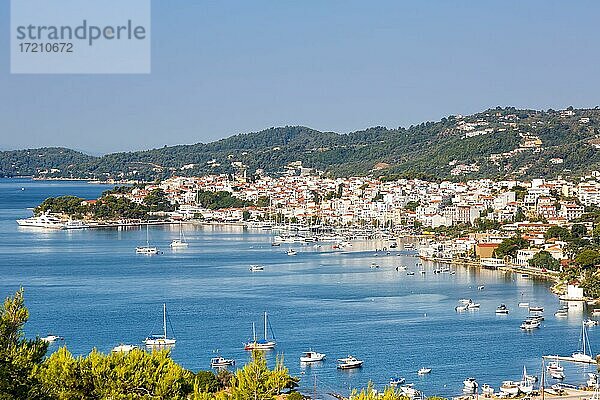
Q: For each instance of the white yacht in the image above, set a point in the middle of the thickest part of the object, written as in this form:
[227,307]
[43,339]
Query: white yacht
[160,340]
[42,221]
[256,268]
[510,388]
[292,252]
[220,362]
[470,385]
[179,243]
[424,371]
[51,338]
[530,324]
[349,362]
[502,309]
[397,381]
[584,354]
[123,348]
[409,391]
[263,344]
[311,356]
[147,249]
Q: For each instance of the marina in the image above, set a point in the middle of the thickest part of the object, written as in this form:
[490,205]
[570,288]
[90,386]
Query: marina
[324,298]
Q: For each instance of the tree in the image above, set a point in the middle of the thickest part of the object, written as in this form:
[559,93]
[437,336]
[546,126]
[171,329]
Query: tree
[206,381]
[256,382]
[510,246]
[578,230]
[544,259]
[19,357]
[412,205]
[558,232]
[588,258]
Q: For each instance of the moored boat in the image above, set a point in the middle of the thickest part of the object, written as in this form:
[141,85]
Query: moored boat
[123,348]
[161,340]
[397,381]
[502,309]
[51,338]
[349,362]
[262,344]
[220,362]
[510,388]
[311,356]
[424,371]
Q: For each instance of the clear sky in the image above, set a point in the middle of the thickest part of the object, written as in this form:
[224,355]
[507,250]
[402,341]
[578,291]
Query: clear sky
[226,67]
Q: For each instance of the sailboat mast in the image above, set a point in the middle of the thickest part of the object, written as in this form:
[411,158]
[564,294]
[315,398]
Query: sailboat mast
[165,319]
[253,332]
[265,326]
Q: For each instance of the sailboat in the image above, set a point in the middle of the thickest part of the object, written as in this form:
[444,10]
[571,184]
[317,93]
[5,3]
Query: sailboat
[147,249]
[526,384]
[582,355]
[161,340]
[261,344]
[181,242]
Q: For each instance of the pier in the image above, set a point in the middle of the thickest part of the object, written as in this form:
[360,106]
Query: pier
[569,359]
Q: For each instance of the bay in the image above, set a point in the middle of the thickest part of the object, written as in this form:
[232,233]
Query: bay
[90,287]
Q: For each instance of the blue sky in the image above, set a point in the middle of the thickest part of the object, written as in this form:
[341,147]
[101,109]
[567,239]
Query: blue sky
[226,67]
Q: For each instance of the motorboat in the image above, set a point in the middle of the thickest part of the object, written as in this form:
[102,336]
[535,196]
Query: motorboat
[473,306]
[410,273]
[536,317]
[590,322]
[584,353]
[510,388]
[44,220]
[291,252]
[424,371]
[311,356]
[561,313]
[502,309]
[349,362]
[530,324]
[470,385]
[396,381]
[536,309]
[123,348]
[256,267]
[557,374]
[487,390]
[51,338]
[220,362]
[75,224]
[524,305]
[261,344]
[161,340]
[554,366]
[480,287]
[461,308]
[409,391]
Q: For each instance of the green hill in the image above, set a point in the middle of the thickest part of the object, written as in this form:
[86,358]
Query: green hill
[501,142]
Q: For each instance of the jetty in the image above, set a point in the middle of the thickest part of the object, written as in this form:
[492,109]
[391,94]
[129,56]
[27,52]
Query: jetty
[570,359]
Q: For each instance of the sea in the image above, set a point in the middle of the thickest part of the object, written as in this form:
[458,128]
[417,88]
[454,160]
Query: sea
[90,287]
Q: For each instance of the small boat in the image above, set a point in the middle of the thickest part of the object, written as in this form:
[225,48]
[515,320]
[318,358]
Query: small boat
[453,272]
[524,305]
[422,272]
[160,340]
[424,371]
[461,308]
[487,390]
[401,268]
[291,252]
[536,317]
[349,362]
[123,348]
[256,267]
[582,355]
[396,381]
[275,244]
[524,275]
[590,322]
[409,391]
[263,344]
[510,388]
[555,366]
[530,324]
[473,306]
[220,362]
[480,287]
[465,301]
[147,249]
[51,338]
[410,273]
[526,384]
[470,385]
[557,374]
[561,313]
[502,309]
[536,309]
[311,356]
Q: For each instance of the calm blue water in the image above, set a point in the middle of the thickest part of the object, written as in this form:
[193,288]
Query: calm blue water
[90,287]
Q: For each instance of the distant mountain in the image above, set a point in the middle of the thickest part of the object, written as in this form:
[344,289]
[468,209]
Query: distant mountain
[496,143]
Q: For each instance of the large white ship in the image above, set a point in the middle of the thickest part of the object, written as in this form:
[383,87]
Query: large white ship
[43,221]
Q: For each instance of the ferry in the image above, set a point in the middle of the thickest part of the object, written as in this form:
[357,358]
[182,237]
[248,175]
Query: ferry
[42,221]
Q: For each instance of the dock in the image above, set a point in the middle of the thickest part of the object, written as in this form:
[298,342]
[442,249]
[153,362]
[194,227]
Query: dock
[569,359]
